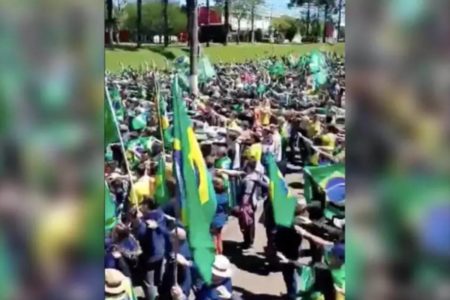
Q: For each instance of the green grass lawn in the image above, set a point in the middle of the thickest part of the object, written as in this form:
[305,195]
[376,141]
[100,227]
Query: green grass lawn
[128,55]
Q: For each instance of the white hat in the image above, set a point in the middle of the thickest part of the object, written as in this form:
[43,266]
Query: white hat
[221,267]
[115,282]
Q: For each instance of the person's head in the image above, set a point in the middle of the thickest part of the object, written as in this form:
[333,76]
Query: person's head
[178,233]
[337,257]
[274,128]
[332,128]
[171,187]
[221,269]
[120,232]
[219,186]
[148,204]
[210,160]
[141,170]
[251,166]
[256,137]
[222,152]
[115,284]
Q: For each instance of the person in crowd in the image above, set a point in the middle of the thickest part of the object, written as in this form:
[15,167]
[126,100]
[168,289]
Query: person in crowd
[222,211]
[143,187]
[117,286]
[248,201]
[152,232]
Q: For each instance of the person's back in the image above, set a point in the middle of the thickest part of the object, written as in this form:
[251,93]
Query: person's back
[143,187]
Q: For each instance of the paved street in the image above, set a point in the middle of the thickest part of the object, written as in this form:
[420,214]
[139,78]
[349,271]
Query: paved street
[252,278]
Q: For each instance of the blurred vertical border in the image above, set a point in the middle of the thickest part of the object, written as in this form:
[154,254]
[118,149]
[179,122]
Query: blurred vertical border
[398,80]
[51,149]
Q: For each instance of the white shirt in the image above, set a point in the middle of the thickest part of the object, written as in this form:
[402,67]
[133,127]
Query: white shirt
[277,148]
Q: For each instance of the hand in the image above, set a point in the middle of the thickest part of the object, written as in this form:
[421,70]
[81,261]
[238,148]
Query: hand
[183,261]
[177,293]
[283,259]
[116,254]
[223,292]
[152,224]
[299,230]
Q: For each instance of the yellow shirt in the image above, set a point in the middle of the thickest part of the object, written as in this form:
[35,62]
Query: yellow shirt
[255,151]
[314,129]
[329,141]
[145,186]
[265,116]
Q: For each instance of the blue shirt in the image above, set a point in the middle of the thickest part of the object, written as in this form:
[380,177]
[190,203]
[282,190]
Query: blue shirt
[155,243]
[221,216]
[209,292]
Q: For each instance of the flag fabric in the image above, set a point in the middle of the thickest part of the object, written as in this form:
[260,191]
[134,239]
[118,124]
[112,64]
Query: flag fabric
[283,202]
[161,191]
[110,125]
[330,178]
[206,70]
[110,210]
[277,69]
[116,102]
[164,121]
[198,203]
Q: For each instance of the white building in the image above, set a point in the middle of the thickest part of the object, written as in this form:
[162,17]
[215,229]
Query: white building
[261,22]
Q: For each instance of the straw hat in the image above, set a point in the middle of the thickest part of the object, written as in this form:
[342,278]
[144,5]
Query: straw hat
[115,282]
[221,267]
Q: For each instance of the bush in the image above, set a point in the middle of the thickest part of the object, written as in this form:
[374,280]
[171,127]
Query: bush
[309,39]
[290,33]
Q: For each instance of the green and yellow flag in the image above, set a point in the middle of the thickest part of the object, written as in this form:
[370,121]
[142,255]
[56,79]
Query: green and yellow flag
[161,191]
[282,201]
[110,210]
[164,121]
[195,191]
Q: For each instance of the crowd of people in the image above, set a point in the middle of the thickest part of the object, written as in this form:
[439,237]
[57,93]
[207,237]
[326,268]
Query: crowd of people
[244,115]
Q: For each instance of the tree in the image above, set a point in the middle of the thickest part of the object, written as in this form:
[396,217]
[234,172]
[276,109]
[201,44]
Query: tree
[239,10]
[286,25]
[139,22]
[166,22]
[327,6]
[194,47]
[308,4]
[109,21]
[227,20]
[153,21]
[207,21]
[253,5]
[119,15]
[340,6]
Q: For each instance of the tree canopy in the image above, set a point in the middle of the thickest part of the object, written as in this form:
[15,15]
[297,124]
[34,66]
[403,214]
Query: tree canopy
[152,18]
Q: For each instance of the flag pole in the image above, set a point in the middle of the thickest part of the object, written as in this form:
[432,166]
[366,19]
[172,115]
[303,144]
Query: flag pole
[177,214]
[122,144]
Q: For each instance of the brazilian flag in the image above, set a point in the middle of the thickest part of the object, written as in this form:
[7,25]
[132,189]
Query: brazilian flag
[283,202]
[195,187]
[329,179]
[164,121]
[161,192]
